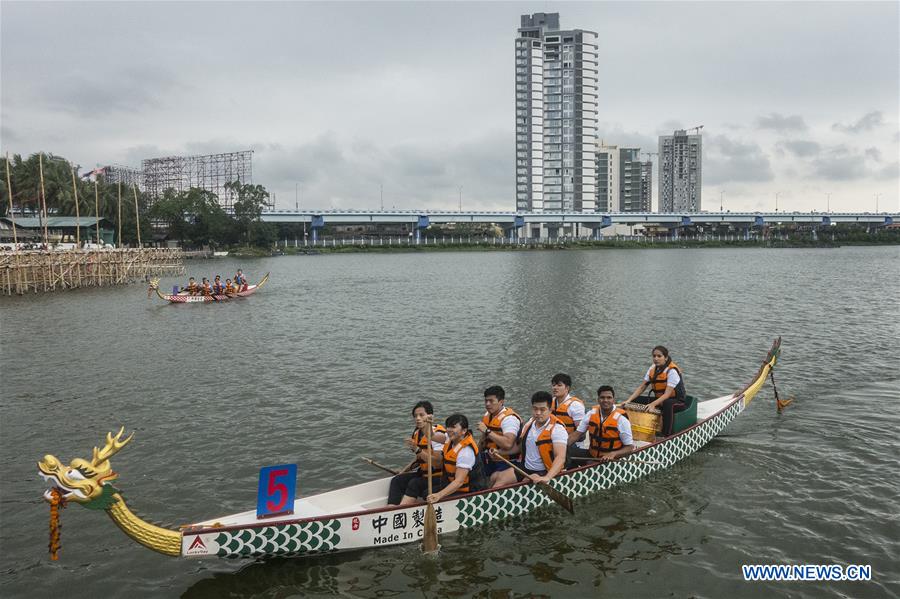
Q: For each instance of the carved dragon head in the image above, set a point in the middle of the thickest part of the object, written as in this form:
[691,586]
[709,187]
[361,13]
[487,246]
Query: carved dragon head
[85,481]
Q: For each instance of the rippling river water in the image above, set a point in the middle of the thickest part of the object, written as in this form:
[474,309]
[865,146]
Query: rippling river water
[323,365]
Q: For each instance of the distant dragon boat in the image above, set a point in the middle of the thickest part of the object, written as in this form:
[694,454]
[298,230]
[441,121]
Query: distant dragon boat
[356,517]
[183,297]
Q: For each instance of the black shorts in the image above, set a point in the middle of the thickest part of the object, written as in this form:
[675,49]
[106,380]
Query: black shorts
[418,487]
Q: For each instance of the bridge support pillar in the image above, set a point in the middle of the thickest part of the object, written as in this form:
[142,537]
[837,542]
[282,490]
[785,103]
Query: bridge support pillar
[317,222]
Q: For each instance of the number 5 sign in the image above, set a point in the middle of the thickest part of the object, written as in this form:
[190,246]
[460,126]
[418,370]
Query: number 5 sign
[277,488]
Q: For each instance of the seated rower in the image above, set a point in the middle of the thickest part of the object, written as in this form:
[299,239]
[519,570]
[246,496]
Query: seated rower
[191,287]
[567,408]
[411,485]
[229,287]
[609,428]
[205,289]
[240,281]
[218,287]
[499,427]
[460,458]
[667,385]
[542,442]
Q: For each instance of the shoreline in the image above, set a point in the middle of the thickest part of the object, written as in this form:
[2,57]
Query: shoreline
[350,248]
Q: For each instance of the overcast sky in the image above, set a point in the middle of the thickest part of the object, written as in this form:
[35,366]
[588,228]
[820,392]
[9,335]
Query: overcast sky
[340,98]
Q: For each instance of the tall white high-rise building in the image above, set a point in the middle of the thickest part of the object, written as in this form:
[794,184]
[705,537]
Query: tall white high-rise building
[608,178]
[556,116]
[680,170]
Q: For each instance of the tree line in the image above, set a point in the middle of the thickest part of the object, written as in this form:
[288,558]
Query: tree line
[194,217]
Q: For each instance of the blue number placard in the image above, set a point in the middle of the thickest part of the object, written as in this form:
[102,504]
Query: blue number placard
[277,489]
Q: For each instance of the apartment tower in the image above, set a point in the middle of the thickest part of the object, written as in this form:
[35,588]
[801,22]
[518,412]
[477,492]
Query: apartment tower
[680,162]
[556,116]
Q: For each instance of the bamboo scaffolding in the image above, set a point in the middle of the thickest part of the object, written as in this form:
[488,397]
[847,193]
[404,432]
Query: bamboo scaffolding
[41,271]
[77,215]
[12,218]
[43,201]
[12,214]
[97,210]
[137,216]
[119,245]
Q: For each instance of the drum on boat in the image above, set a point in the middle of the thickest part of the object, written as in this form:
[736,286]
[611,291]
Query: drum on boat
[646,422]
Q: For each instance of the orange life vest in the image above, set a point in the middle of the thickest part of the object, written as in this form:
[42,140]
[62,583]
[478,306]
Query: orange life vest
[561,412]
[659,378]
[450,453]
[605,434]
[206,289]
[544,441]
[494,424]
[229,288]
[421,442]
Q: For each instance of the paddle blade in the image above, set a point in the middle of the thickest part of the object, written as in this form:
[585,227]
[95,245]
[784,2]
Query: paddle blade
[562,500]
[430,536]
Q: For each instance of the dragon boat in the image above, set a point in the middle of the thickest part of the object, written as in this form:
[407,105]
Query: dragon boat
[357,517]
[183,297]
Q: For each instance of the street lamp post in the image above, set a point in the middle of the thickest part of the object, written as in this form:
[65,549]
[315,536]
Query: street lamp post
[828,204]
[381,193]
[721,201]
[876,202]
[460,198]
[776,200]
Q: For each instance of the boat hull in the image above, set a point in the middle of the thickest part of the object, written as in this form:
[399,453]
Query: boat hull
[395,526]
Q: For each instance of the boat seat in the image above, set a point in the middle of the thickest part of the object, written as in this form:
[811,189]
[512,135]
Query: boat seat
[686,418]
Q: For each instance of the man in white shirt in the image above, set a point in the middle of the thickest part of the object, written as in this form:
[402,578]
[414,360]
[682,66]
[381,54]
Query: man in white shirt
[610,431]
[542,442]
[566,407]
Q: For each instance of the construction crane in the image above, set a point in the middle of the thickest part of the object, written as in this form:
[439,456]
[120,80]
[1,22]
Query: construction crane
[697,129]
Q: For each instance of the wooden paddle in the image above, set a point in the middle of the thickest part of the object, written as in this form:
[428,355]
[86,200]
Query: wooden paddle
[372,462]
[430,535]
[563,500]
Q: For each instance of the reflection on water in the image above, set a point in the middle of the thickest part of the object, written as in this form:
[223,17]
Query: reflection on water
[323,365]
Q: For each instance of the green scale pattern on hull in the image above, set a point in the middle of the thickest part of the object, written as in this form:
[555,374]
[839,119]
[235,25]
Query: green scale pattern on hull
[288,539]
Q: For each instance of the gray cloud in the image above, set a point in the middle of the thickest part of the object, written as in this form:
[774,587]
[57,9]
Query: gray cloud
[614,134]
[97,94]
[781,123]
[839,163]
[867,122]
[729,161]
[800,148]
[874,154]
[889,172]
[332,172]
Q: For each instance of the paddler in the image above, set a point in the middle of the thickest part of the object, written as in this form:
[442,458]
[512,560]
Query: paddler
[205,289]
[567,408]
[229,287]
[460,458]
[218,287]
[191,287]
[542,442]
[499,427]
[667,386]
[240,281]
[609,428]
[412,486]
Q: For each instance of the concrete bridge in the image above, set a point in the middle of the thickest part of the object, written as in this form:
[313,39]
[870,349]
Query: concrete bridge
[523,223]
